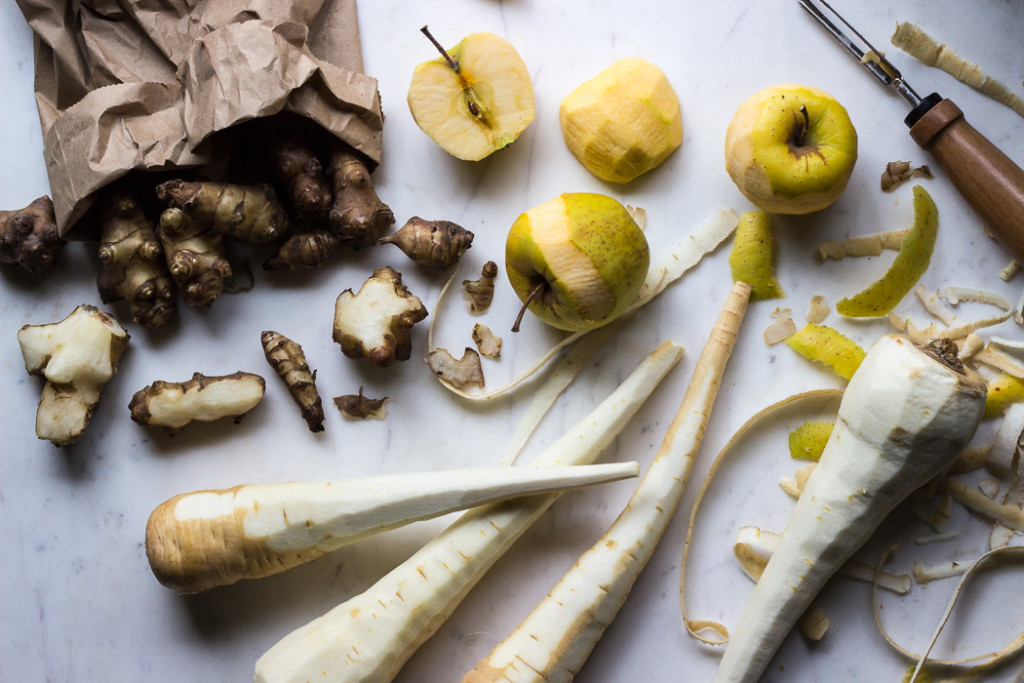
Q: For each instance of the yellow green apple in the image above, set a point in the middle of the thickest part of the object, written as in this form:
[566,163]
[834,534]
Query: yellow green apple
[623,122]
[576,261]
[474,99]
[791,149]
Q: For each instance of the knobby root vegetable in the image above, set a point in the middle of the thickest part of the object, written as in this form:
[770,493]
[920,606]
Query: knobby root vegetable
[357,216]
[905,415]
[77,356]
[289,362]
[298,169]
[247,213]
[195,257]
[480,292]
[305,249]
[370,636]
[172,405]
[437,244]
[29,237]
[374,323]
[554,641]
[132,265]
[361,407]
[200,540]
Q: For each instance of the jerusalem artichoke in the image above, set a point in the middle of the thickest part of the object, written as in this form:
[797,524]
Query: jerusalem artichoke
[289,362]
[357,216]
[480,293]
[304,249]
[29,237]
[437,244]
[374,324]
[195,257]
[172,405]
[297,168]
[132,266]
[250,214]
[77,356]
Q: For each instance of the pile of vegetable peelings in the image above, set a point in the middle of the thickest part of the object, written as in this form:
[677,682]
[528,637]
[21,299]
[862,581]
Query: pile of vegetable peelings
[902,428]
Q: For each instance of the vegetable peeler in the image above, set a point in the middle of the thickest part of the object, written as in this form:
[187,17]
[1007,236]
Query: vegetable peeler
[985,176]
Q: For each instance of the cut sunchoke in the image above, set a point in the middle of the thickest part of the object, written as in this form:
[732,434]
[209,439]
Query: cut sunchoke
[374,324]
[488,343]
[247,213]
[132,265]
[898,172]
[29,237]
[77,356]
[289,362]
[299,170]
[357,216]
[172,405]
[361,407]
[195,257]
[462,372]
[480,293]
[437,244]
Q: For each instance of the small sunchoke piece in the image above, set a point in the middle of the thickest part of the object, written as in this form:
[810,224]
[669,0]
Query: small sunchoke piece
[462,373]
[289,362]
[357,216]
[898,172]
[480,293]
[132,265]
[437,244]
[77,356]
[297,168]
[195,257]
[29,237]
[172,405]
[247,213]
[486,341]
[374,324]
[305,249]
[362,407]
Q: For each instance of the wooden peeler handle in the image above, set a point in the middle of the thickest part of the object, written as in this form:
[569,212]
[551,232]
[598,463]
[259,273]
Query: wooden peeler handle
[988,179]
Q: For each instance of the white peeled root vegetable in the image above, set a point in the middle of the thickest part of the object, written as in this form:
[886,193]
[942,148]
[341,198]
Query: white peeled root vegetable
[556,638]
[200,540]
[172,405]
[77,356]
[370,636]
[906,414]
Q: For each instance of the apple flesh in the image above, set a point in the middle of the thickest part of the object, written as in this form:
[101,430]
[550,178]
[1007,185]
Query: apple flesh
[577,261]
[475,99]
[791,149]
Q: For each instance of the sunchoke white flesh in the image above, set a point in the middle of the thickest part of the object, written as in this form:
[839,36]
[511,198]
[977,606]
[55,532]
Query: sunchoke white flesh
[77,356]
[172,405]
[374,323]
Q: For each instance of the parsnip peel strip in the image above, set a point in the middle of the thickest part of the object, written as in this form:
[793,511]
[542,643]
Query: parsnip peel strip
[863,245]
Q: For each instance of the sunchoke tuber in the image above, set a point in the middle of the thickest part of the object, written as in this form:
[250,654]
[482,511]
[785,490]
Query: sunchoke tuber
[438,244]
[289,362]
[248,213]
[77,356]
[357,216]
[306,249]
[195,257]
[480,293]
[172,405]
[360,407]
[297,168]
[29,237]
[132,266]
[374,324]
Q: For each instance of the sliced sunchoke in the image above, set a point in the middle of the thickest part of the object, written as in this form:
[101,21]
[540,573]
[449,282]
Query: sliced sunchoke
[29,237]
[289,362]
[437,244]
[361,407]
[357,216]
[248,213]
[132,265]
[374,324]
[486,341]
[195,257]
[480,293]
[297,168]
[307,249]
[172,405]
[461,373]
[898,172]
[77,356]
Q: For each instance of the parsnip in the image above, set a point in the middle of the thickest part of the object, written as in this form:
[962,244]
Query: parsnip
[556,638]
[200,540]
[905,415]
[370,636]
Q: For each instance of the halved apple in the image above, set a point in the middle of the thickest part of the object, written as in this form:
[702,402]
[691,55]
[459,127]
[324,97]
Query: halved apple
[475,99]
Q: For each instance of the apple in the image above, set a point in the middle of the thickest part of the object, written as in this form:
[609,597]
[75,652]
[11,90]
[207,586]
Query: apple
[577,261]
[623,122]
[474,99]
[791,149]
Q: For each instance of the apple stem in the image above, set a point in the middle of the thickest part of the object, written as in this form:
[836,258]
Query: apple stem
[534,293]
[452,63]
[802,127]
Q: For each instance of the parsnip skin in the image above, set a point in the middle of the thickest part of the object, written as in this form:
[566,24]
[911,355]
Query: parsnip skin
[903,418]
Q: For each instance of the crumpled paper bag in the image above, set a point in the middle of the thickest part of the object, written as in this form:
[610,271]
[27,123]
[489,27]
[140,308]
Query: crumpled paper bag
[145,85]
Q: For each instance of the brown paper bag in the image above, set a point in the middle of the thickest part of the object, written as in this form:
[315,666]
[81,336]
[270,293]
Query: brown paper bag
[142,85]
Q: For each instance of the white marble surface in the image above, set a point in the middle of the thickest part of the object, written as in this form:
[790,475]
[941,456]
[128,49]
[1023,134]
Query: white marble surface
[80,603]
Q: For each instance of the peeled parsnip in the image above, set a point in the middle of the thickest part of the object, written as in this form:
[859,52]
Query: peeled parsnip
[905,415]
[200,540]
[554,640]
[370,636]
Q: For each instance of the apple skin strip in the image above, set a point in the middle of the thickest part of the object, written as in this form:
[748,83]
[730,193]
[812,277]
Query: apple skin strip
[556,638]
[371,636]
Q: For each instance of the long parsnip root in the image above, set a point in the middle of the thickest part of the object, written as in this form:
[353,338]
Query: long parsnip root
[906,414]
[200,540]
[553,642]
[370,636]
